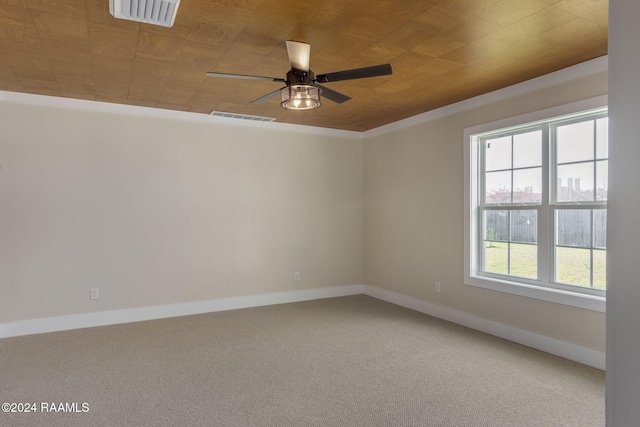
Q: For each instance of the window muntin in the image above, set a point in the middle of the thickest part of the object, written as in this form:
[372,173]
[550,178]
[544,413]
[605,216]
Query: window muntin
[554,175]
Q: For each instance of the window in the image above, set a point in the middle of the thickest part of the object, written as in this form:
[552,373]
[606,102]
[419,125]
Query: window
[537,207]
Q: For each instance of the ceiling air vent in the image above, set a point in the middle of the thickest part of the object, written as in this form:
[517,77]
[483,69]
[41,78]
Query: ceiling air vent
[156,12]
[241,116]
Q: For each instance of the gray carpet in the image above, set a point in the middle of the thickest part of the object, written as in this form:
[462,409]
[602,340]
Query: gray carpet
[351,361]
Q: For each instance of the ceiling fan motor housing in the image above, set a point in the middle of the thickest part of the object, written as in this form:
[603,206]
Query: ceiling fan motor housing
[299,77]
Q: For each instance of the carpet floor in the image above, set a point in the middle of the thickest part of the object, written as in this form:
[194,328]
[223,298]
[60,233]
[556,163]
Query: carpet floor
[349,361]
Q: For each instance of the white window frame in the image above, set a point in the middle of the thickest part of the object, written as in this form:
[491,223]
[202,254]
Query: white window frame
[472,245]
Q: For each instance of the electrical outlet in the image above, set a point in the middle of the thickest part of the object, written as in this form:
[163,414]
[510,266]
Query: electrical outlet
[296,276]
[437,286]
[95,293]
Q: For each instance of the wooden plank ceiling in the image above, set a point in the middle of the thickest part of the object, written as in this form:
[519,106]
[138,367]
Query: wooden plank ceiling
[441,51]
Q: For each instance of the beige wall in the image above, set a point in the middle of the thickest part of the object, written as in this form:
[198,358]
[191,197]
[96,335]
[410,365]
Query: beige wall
[155,211]
[414,218]
[158,211]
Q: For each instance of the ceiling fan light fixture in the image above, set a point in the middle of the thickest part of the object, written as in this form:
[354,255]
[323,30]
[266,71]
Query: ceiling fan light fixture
[300,97]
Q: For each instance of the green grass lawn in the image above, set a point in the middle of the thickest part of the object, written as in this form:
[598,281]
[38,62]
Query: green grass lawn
[573,263]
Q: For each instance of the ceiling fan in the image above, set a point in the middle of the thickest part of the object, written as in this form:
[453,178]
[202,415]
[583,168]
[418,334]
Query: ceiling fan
[302,87]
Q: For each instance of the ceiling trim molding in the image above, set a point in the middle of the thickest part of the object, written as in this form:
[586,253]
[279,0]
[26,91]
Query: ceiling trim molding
[567,74]
[587,68]
[159,113]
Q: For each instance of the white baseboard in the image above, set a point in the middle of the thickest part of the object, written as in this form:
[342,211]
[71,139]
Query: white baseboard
[103,318]
[579,354]
[569,351]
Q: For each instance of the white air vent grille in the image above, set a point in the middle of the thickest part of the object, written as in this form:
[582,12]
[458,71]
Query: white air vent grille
[157,12]
[242,116]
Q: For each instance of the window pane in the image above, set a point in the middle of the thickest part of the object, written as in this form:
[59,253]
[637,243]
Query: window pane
[600,269]
[573,266]
[602,179]
[496,225]
[575,182]
[574,142]
[498,187]
[527,149]
[602,138]
[573,227]
[600,228]
[498,153]
[527,185]
[524,226]
[496,258]
[524,260]
[502,256]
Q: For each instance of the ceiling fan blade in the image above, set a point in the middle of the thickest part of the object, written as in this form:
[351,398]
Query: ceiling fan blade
[267,96]
[245,77]
[299,53]
[333,95]
[358,73]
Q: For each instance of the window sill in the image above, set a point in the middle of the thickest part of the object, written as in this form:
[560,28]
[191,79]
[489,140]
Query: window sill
[574,299]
